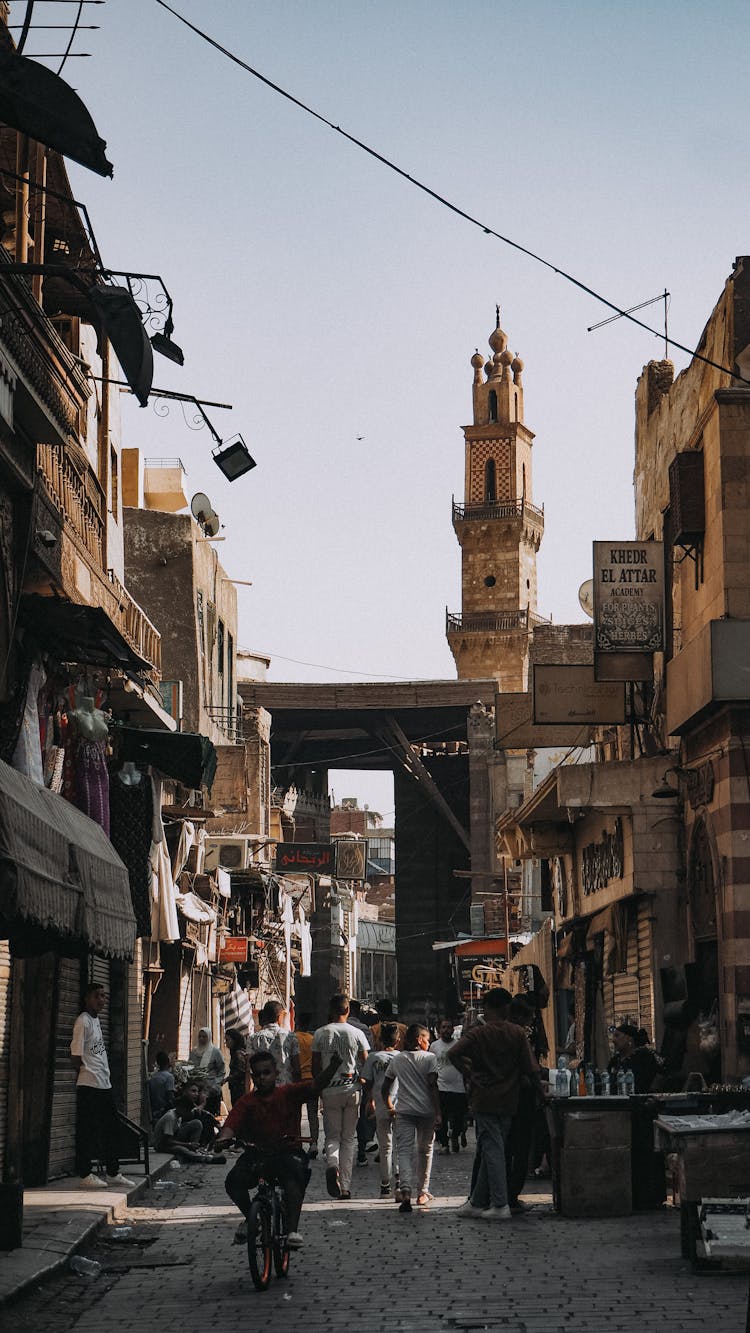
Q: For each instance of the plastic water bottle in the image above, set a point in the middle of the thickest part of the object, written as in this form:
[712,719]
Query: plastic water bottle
[604,1087]
[629,1083]
[621,1083]
[84,1267]
[562,1081]
[590,1082]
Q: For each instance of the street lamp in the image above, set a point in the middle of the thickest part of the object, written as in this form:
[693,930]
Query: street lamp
[232,457]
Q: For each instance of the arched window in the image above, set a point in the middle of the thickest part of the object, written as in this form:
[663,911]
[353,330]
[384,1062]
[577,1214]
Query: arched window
[490,482]
[492,405]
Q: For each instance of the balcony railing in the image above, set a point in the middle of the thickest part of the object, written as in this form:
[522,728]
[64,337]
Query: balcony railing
[228,720]
[499,622]
[78,496]
[134,624]
[504,510]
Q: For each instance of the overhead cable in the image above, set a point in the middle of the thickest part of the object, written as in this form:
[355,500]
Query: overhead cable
[441,199]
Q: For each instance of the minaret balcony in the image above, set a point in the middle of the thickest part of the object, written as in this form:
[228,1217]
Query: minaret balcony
[507,510]
[491,622]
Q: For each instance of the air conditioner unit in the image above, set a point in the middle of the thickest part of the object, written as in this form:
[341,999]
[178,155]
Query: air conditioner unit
[231,851]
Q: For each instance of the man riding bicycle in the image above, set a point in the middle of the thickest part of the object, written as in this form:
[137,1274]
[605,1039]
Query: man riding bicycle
[268,1121]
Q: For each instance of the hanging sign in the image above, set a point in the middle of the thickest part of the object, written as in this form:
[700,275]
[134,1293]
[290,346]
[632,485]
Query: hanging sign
[297,858]
[571,695]
[629,597]
[234,949]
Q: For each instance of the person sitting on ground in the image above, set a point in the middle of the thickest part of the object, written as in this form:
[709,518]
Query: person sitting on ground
[161,1087]
[268,1121]
[417,1113]
[208,1065]
[237,1080]
[180,1130]
[374,1071]
[277,1039]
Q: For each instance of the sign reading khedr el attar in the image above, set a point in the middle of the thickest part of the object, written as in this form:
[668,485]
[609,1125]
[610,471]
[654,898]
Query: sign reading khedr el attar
[571,694]
[628,597]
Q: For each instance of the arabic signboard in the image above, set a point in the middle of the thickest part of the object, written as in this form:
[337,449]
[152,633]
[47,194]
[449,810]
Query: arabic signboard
[628,597]
[305,858]
[234,949]
[515,728]
[569,695]
[351,858]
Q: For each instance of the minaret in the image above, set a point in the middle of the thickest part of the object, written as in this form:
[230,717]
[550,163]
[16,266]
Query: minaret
[498,528]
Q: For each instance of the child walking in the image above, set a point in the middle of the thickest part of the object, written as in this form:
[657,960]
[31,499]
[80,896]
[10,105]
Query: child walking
[375,1068]
[417,1112]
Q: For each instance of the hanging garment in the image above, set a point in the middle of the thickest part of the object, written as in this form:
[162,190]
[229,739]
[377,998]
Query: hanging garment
[131,820]
[92,780]
[164,923]
[27,756]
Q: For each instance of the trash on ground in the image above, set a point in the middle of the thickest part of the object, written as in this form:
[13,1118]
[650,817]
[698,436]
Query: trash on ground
[84,1267]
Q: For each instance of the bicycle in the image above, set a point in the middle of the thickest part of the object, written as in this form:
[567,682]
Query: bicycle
[267,1232]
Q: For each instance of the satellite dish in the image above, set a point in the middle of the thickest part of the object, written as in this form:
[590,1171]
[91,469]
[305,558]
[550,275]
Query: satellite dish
[201,507]
[586,597]
[203,513]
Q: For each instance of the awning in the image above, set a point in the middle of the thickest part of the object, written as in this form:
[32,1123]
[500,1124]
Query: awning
[62,884]
[76,633]
[186,756]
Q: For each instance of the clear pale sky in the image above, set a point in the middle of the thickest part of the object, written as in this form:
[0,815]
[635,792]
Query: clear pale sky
[327,299]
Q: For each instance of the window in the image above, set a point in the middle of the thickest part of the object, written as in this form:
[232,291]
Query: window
[201,631]
[230,670]
[492,405]
[114,481]
[490,481]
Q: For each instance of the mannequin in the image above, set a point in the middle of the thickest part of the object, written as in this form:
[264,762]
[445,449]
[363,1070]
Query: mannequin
[129,775]
[90,721]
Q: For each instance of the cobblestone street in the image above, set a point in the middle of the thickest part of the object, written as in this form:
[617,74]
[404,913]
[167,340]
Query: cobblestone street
[366,1266]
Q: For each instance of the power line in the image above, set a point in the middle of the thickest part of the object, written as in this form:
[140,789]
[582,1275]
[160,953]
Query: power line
[441,199]
[345,671]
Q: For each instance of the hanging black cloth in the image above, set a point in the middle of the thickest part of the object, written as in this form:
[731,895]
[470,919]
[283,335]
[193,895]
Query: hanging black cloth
[131,810]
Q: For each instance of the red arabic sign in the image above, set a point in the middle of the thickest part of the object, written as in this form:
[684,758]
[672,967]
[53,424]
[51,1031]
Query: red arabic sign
[234,949]
[312,858]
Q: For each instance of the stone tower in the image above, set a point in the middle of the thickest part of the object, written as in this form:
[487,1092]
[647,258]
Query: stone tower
[498,528]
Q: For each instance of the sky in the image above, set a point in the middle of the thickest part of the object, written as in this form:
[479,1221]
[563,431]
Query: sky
[336,307]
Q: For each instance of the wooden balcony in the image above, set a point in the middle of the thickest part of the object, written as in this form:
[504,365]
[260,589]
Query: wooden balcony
[134,624]
[76,493]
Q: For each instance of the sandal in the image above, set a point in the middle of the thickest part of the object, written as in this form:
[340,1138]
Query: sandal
[423,1200]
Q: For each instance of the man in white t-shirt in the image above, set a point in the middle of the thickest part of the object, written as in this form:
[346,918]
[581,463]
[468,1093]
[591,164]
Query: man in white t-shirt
[374,1071]
[454,1101]
[96,1110]
[341,1098]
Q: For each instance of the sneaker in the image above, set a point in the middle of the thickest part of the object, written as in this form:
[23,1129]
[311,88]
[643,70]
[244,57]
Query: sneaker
[240,1235]
[91,1182]
[385,1191]
[468,1210]
[405,1204]
[332,1182]
[362,1161]
[496,1214]
[122,1180]
[518,1206]
[294,1240]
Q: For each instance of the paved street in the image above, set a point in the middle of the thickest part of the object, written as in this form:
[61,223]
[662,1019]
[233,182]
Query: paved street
[366,1266]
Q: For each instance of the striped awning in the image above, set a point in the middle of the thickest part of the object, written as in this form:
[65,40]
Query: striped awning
[60,876]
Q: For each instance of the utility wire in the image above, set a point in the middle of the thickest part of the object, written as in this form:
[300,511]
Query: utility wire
[345,671]
[440,199]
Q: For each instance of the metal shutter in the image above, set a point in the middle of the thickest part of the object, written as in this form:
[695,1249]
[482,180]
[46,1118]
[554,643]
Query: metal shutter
[100,975]
[5,985]
[645,967]
[63,1118]
[134,1103]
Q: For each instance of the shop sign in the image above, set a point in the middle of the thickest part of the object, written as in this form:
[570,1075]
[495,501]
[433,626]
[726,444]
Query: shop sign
[628,597]
[603,861]
[351,858]
[478,973]
[570,694]
[234,949]
[515,728]
[313,858]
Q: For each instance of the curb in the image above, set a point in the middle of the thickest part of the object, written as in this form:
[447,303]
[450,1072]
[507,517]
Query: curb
[62,1258]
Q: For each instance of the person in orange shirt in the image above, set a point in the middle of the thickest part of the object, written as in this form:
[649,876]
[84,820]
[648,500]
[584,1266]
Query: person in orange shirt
[303,1033]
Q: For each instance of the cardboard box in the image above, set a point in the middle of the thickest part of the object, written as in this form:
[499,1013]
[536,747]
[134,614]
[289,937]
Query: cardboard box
[595,1182]
[596,1129]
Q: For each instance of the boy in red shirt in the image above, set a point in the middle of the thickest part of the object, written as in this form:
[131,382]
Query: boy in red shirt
[268,1119]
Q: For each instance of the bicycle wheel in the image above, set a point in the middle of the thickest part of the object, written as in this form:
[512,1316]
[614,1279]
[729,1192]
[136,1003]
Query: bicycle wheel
[259,1243]
[280,1237]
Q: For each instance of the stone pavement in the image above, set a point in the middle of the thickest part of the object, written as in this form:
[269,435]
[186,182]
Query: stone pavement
[367,1267]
